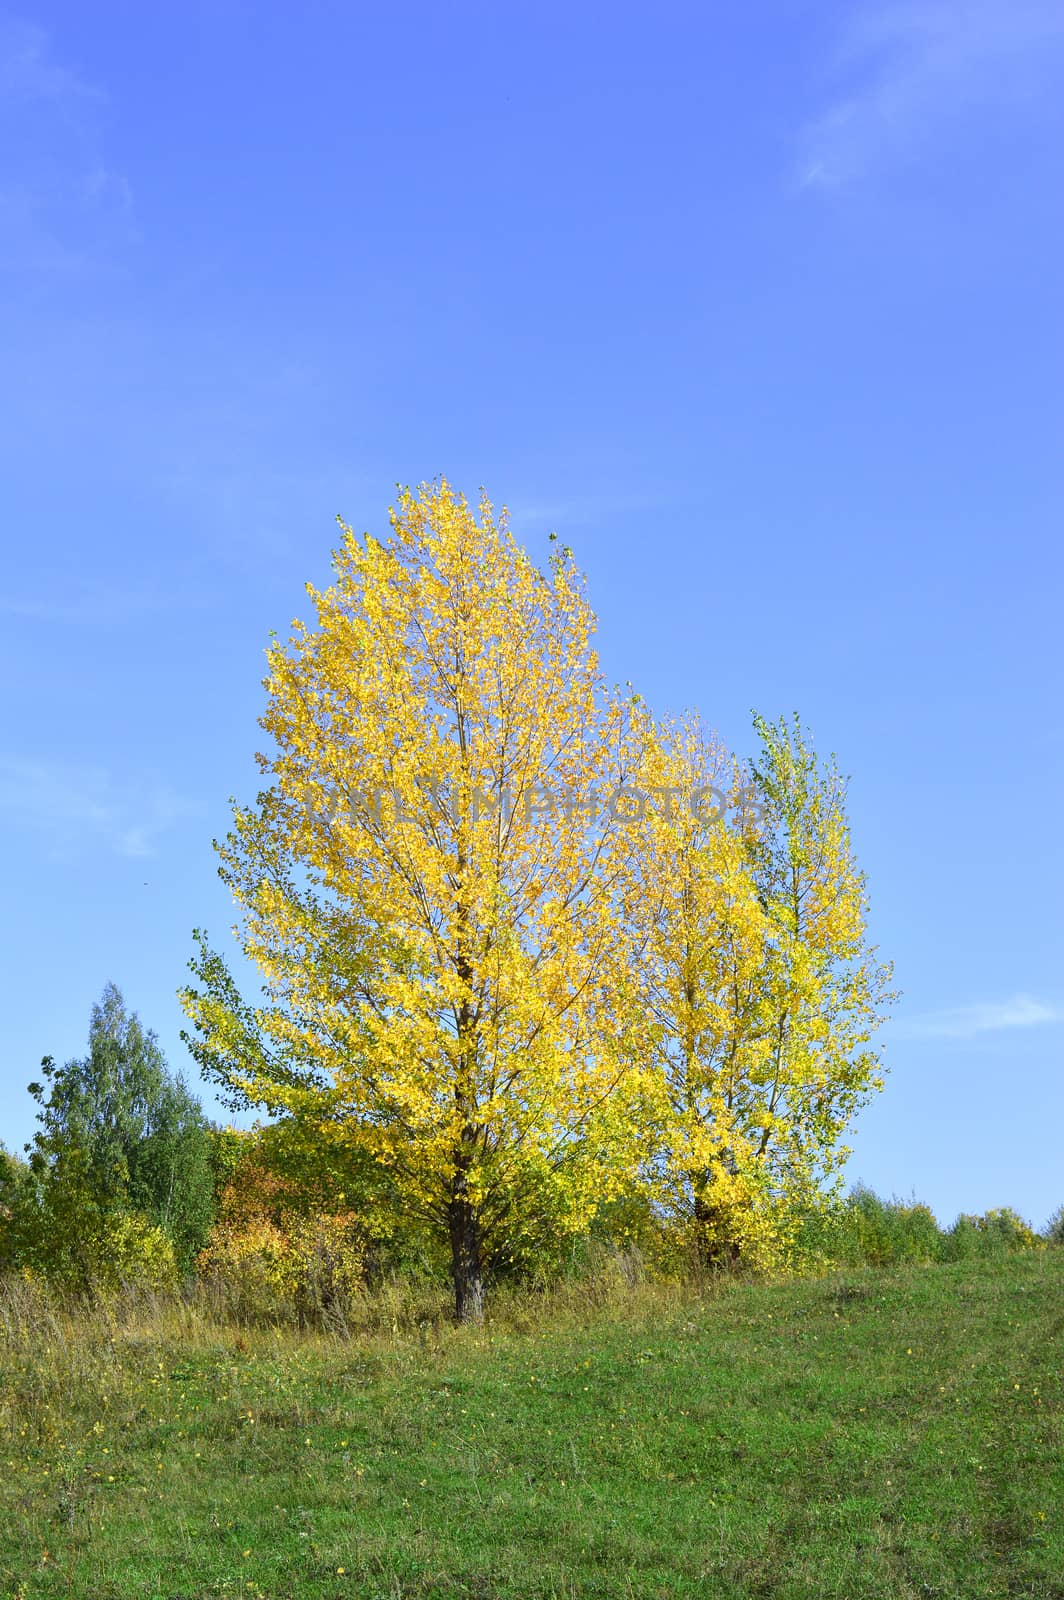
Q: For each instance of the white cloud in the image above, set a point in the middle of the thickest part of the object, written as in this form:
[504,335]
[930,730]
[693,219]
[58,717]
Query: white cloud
[75,808]
[912,73]
[29,74]
[64,207]
[966,1022]
[577,511]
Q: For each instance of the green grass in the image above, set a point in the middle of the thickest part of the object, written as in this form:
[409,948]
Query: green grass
[883,1435]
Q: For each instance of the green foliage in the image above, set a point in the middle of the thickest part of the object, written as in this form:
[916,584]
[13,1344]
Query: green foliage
[864,1230]
[888,1232]
[227,1149]
[135,1251]
[1054,1229]
[16,1191]
[120,1138]
[998,1233]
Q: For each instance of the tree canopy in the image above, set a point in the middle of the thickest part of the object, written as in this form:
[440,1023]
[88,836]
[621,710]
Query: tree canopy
[512,965]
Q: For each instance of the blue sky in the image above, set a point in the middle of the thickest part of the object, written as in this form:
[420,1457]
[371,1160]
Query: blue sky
[760,310]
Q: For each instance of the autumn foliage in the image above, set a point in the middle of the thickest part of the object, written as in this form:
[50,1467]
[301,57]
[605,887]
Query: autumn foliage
[546,981]
[515,968]
[273,1248]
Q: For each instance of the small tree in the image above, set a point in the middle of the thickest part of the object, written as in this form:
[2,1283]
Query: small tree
[761,993]
[120,1137]
[826,990]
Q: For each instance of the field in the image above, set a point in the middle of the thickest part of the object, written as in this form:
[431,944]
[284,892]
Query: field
[884,1435]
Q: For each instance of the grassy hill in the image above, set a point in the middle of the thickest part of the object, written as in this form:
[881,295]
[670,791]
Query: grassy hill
[881,1435]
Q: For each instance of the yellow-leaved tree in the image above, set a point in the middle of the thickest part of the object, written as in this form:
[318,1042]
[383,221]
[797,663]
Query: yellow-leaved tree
[761,991]
[428,887]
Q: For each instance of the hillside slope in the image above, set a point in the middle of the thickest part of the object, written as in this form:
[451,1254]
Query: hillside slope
[882,1435]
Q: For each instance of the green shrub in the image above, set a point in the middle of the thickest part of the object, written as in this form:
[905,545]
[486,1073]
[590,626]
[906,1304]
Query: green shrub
[138,1254]
[870,1231]
[998,1232]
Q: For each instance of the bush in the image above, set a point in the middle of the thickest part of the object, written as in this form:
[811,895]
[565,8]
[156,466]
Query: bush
[119,1252]
[138,1253]
[865,1230]
[273,1257]
[997,1233]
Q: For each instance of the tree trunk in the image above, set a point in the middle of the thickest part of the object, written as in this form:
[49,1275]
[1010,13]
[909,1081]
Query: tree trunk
[717,1248]
[467,1265]
[467,1261]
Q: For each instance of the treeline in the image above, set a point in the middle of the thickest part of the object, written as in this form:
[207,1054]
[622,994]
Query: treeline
[128,1185]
